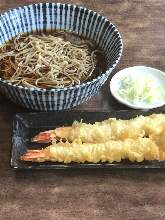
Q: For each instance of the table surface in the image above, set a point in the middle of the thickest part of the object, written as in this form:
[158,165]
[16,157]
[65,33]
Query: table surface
[91,194]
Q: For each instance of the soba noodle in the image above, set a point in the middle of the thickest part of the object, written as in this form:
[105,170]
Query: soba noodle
[46,61]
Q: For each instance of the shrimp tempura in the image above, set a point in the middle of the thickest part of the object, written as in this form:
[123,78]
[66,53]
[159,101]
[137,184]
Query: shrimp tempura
[110,129]
[134,150]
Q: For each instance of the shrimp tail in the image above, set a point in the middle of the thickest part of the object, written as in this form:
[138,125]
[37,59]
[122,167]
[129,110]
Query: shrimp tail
[44,137]
[34,156]
[48,136]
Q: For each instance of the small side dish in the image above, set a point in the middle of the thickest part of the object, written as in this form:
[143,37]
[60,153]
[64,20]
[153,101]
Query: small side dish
[139,87]
[138,139]
[143,91]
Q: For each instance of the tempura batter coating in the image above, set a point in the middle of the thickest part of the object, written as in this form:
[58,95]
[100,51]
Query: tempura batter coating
[133,150]
[110,129]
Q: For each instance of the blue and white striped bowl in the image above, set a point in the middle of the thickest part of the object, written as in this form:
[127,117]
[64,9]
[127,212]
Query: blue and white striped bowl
[51,16]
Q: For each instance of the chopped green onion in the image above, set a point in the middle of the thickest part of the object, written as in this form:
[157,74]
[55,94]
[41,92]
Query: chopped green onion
[141,90]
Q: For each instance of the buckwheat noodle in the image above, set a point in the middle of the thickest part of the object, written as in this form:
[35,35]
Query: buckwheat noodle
[46,61]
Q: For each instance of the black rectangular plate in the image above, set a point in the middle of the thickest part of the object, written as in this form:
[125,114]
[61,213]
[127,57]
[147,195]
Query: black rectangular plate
[27,125]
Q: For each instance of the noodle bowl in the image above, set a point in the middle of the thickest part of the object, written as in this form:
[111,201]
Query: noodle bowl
[26,78]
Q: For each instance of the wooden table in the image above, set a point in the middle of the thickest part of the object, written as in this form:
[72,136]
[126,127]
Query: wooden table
[92,194]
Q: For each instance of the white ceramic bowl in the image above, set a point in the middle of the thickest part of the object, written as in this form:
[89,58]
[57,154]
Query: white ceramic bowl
[158,75]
